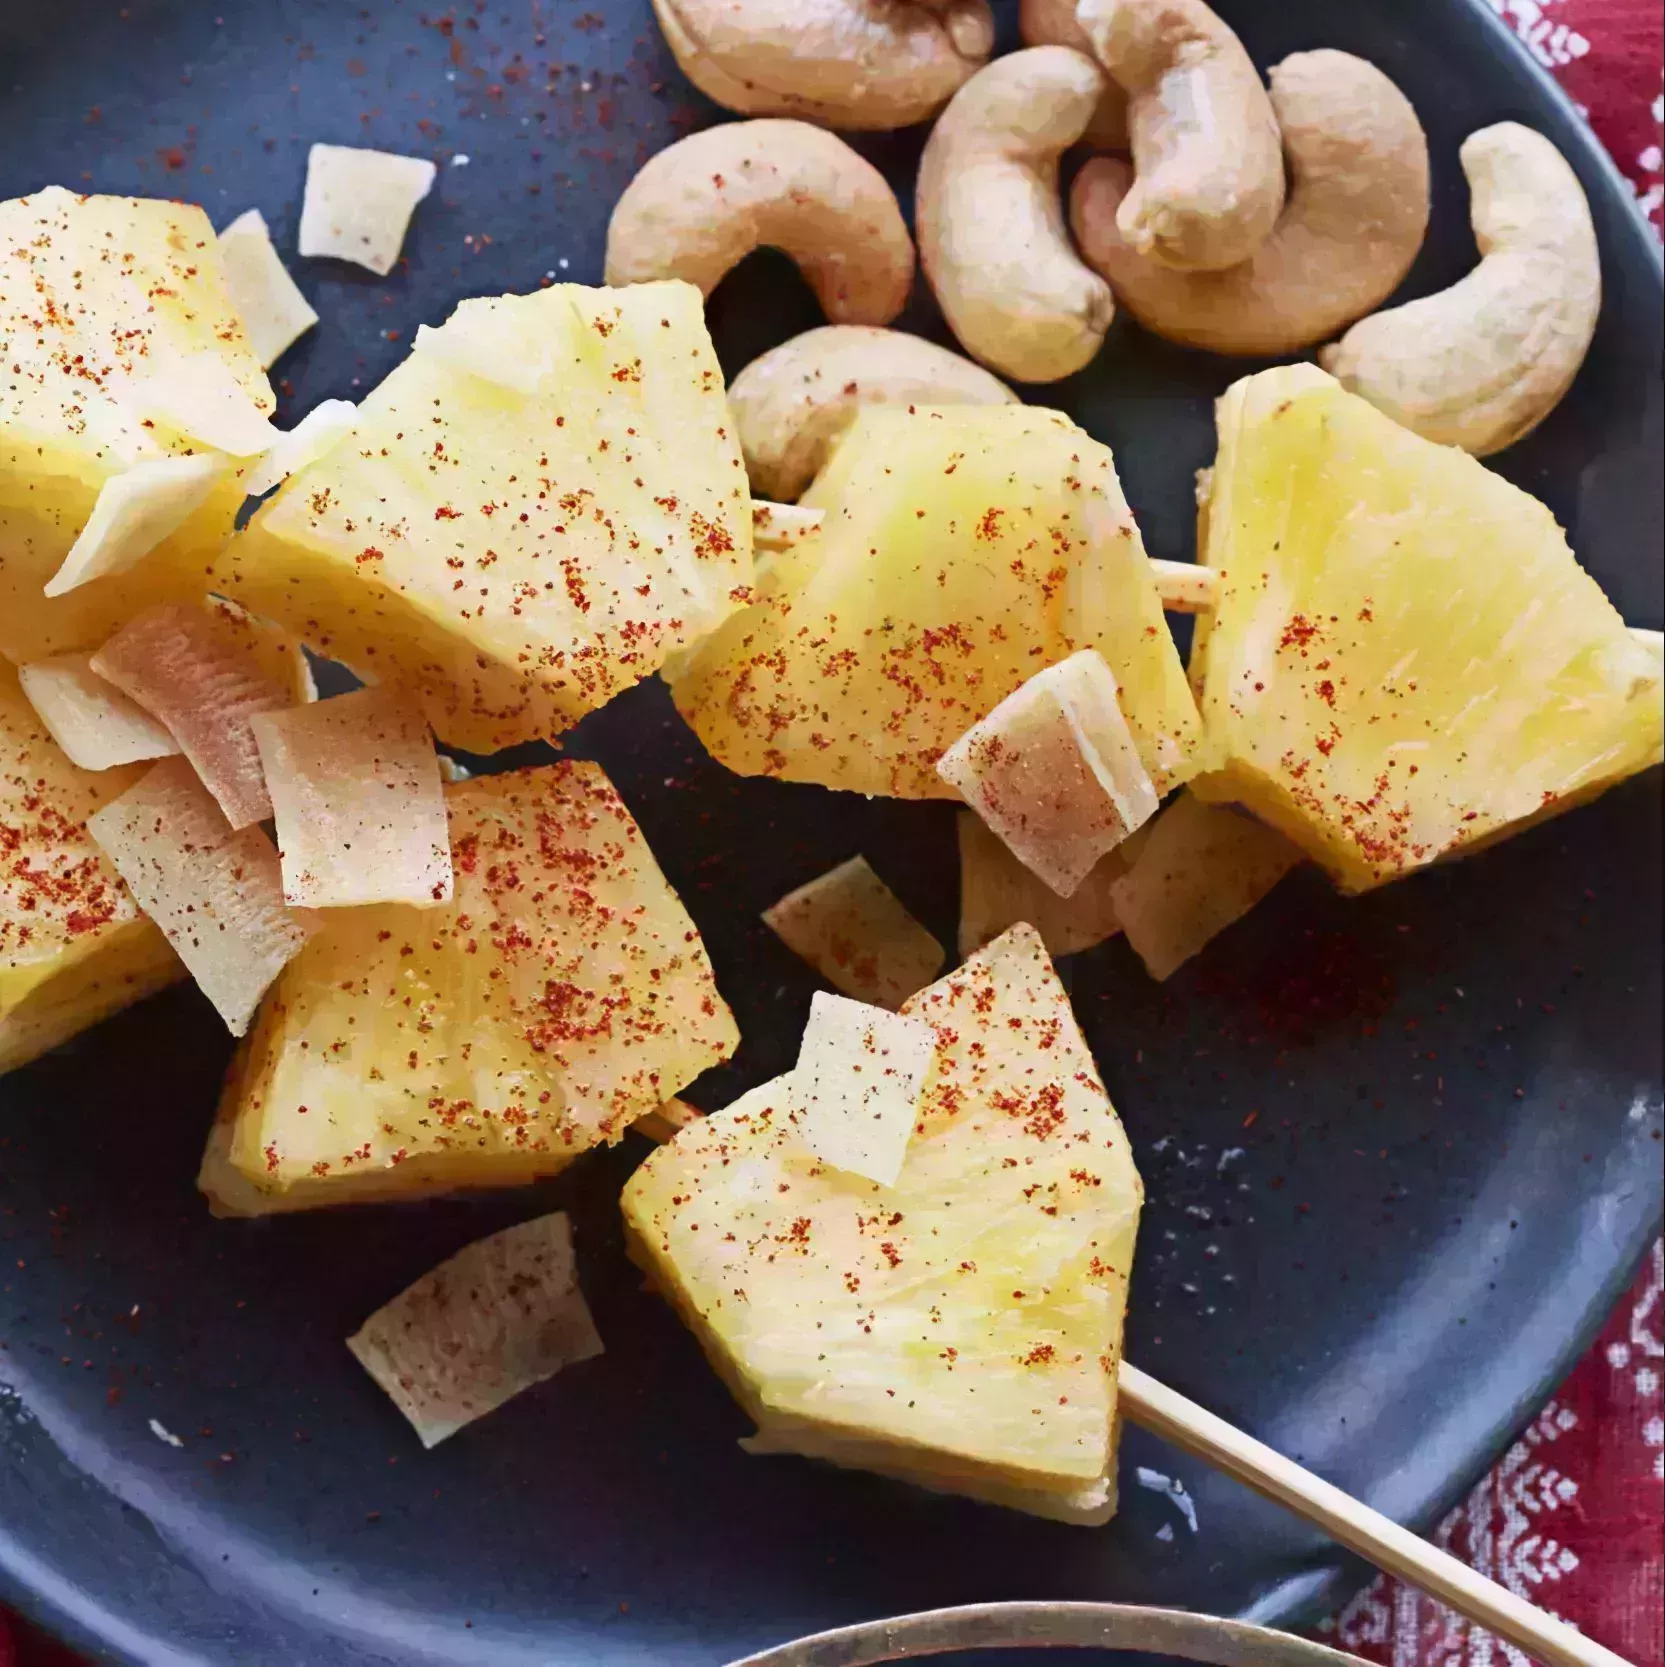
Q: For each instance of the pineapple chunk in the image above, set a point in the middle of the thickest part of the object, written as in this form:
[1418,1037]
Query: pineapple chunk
[1054,770]
[961,1329]
[518,558]
[964,548]
[74,947]
[1405,658]
[97,293]
[561,994]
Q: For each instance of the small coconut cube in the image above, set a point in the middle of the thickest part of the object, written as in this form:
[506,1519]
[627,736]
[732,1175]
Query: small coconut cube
[97,726]
[503,1314]
[327,423]
[187,668]
[274,312]
[1201,867]
[137,510]
[215,891]
[1055,771]
[358,203]
[857,933]
[96,293]
[997,892]
[360,808]
[857,1086]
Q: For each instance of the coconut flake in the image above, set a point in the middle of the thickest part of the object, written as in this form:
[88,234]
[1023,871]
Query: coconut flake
[280,657]
[493,338]
[97,726]
[216,892]
[358,203]
[200,398]
[135,511]
[1055,771]
[274,312]
[184,666]
[854,930]
[359,804]
[997,892]
[1201,867]
[502,1314]
[328,422]
[856,1088]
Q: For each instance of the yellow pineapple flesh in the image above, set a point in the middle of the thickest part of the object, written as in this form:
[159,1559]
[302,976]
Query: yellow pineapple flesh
[961,1328]
[560,994]
[964,550]
[1405,659]
[74,947]
[97,296]
[516,555]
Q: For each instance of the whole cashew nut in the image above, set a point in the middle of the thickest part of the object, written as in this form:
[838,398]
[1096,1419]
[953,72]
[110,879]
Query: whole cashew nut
[704,203]
[1052,23]
[1207,160]
[792,403]
[848,63]
[1484,362]
[991,226]
[1354,220]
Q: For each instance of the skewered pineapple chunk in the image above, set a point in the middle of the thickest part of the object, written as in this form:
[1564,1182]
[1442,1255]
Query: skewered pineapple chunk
[1404,659]
[961,1328]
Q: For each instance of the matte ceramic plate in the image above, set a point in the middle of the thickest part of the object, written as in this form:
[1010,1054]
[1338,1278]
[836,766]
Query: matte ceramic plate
[1401,1153]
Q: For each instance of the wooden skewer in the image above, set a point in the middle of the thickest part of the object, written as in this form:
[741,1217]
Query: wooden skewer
[1184,586]
[1166,1413]
[1170,1415]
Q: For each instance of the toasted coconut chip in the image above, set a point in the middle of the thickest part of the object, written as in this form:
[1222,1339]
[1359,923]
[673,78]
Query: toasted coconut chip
[274,312]
[856,1088]
[97,726]
[997,892]
[360,808]
[281,658]
[358,203]
[502,1314]
[216,893]
[134,512]
[1055,771]
[327,423]
[186,667]
[200,398]
[1202,867]
[663,1124]
[494,338]
[853,929]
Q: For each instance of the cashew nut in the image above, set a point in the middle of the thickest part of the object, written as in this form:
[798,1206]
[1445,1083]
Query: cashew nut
[791,404]
[991,226]
[704,203]
[1052,23]
[848,63]
[1355,218]
[1484,362]
[1208,164]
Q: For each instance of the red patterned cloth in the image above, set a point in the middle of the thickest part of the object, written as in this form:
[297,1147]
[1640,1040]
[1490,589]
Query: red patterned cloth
[1573,1517]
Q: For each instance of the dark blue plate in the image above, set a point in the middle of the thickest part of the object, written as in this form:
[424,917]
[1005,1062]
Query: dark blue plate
[1402,1153]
